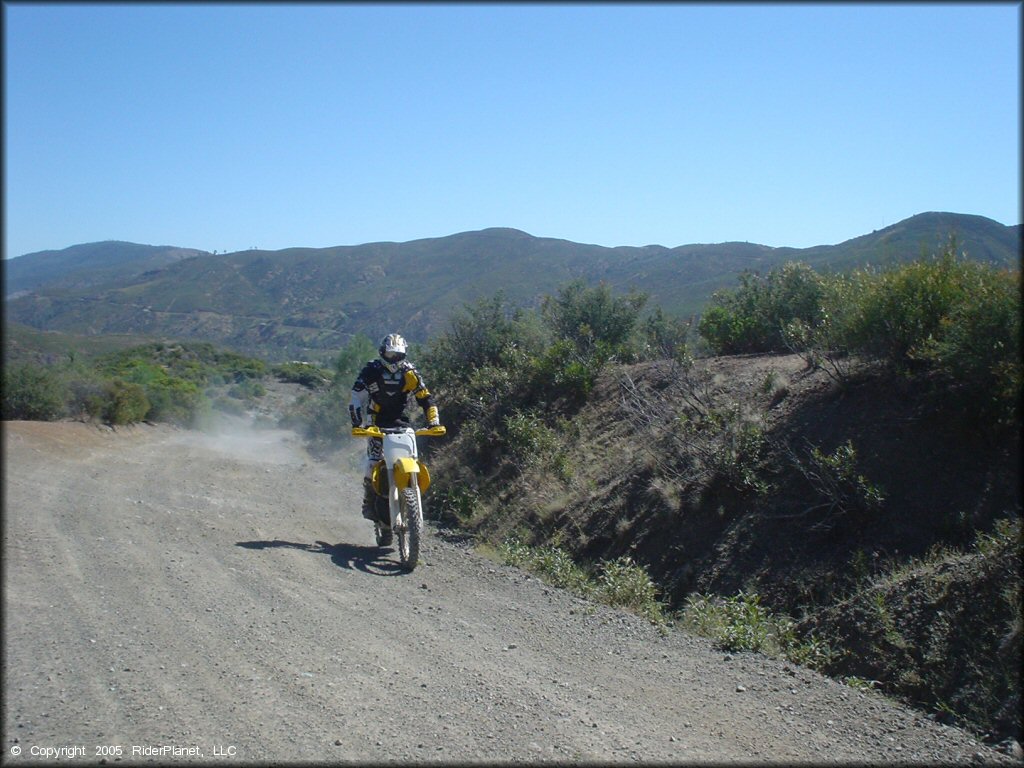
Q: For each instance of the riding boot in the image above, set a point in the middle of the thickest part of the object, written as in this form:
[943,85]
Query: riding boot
[369,499]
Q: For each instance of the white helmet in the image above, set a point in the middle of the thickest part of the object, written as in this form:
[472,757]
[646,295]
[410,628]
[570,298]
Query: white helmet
[392,351]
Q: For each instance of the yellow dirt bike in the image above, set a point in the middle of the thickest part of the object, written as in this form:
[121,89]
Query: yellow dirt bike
[400,479]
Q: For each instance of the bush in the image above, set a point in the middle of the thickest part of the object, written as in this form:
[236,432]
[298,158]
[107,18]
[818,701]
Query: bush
[247,389]
[564,372]
[592,317]
[528,438]
[32,392]
[172,399]
[902,311]
[495,362]
[487,334]
[124,403]
[741,623]
[305,374]
[625,584]
[353,356]
[86,394]
[838,482]
[946,315]
[665,337]
[555,565]
[620,584]
[329,421]
[753,317]
[978,349]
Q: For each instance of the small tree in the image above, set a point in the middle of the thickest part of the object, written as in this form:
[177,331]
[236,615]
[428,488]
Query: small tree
[593,319]
[666,337]
[353,356]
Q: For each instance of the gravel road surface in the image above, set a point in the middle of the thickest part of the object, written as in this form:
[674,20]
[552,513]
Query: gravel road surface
[174,596]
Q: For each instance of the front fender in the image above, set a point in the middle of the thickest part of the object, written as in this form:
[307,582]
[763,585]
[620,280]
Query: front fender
[406,468]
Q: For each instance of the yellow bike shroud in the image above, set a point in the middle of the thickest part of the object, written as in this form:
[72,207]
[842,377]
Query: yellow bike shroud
[404,467]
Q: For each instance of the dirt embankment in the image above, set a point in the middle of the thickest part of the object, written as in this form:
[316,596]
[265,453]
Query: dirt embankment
[752,473]
[178,596]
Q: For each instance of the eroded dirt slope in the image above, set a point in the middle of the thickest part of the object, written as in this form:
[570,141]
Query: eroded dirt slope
[165,588]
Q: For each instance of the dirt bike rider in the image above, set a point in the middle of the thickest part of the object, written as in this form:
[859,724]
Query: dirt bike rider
[379,397]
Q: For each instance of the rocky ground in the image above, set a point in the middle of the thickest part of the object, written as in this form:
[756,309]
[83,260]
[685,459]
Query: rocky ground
[174,596]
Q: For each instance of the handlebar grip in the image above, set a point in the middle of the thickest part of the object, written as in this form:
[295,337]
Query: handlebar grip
[437,431]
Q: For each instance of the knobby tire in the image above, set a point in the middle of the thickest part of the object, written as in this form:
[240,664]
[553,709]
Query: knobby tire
[409,539]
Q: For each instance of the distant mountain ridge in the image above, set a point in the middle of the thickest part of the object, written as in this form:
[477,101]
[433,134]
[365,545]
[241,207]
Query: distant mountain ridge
[87,264]
[306,302]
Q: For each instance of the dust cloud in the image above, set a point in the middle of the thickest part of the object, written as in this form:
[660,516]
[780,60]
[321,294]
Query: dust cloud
[239,438]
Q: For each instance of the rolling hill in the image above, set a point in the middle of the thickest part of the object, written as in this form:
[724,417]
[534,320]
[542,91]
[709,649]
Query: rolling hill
[83,266]
[306,302]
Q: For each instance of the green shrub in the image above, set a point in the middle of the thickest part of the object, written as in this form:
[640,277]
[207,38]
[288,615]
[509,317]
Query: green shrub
[719,443]
[563,372]
[171,398]
[741,623]
[902,311]
[947,315]
[592,316]
[552,563]
[456,501]
[124,403]
[327,420]
[350,361]
[621,583]
[228,405]
[174,400]
[32,392]
[978,348]
[87,394]
[487,334]
[625,584]
[528,438]
[247,389]
[839,483]
[309,376]
[197,362]
[752,318]
[665,337]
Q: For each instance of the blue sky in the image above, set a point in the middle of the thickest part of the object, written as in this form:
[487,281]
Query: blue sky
[225,127]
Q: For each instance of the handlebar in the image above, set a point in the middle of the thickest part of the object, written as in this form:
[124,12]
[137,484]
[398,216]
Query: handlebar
[375,431]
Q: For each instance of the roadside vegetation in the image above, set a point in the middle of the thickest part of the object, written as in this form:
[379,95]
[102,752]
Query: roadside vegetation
[177,383]
[955,320]
[860,515]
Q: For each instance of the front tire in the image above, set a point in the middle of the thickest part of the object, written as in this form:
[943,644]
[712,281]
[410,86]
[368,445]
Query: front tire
[412,519]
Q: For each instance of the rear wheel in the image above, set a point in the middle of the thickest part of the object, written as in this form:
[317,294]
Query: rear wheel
[412,524]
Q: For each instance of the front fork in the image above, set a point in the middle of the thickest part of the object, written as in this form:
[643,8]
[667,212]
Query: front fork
[410,478]
[404,473]
[394,503]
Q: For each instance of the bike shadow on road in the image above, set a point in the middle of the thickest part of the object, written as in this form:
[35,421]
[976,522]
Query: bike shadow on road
[351,556]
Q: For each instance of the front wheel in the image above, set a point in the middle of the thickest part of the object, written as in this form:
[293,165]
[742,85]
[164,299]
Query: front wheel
[412,519]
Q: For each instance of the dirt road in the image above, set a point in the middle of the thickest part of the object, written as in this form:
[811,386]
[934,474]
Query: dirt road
[174,597]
